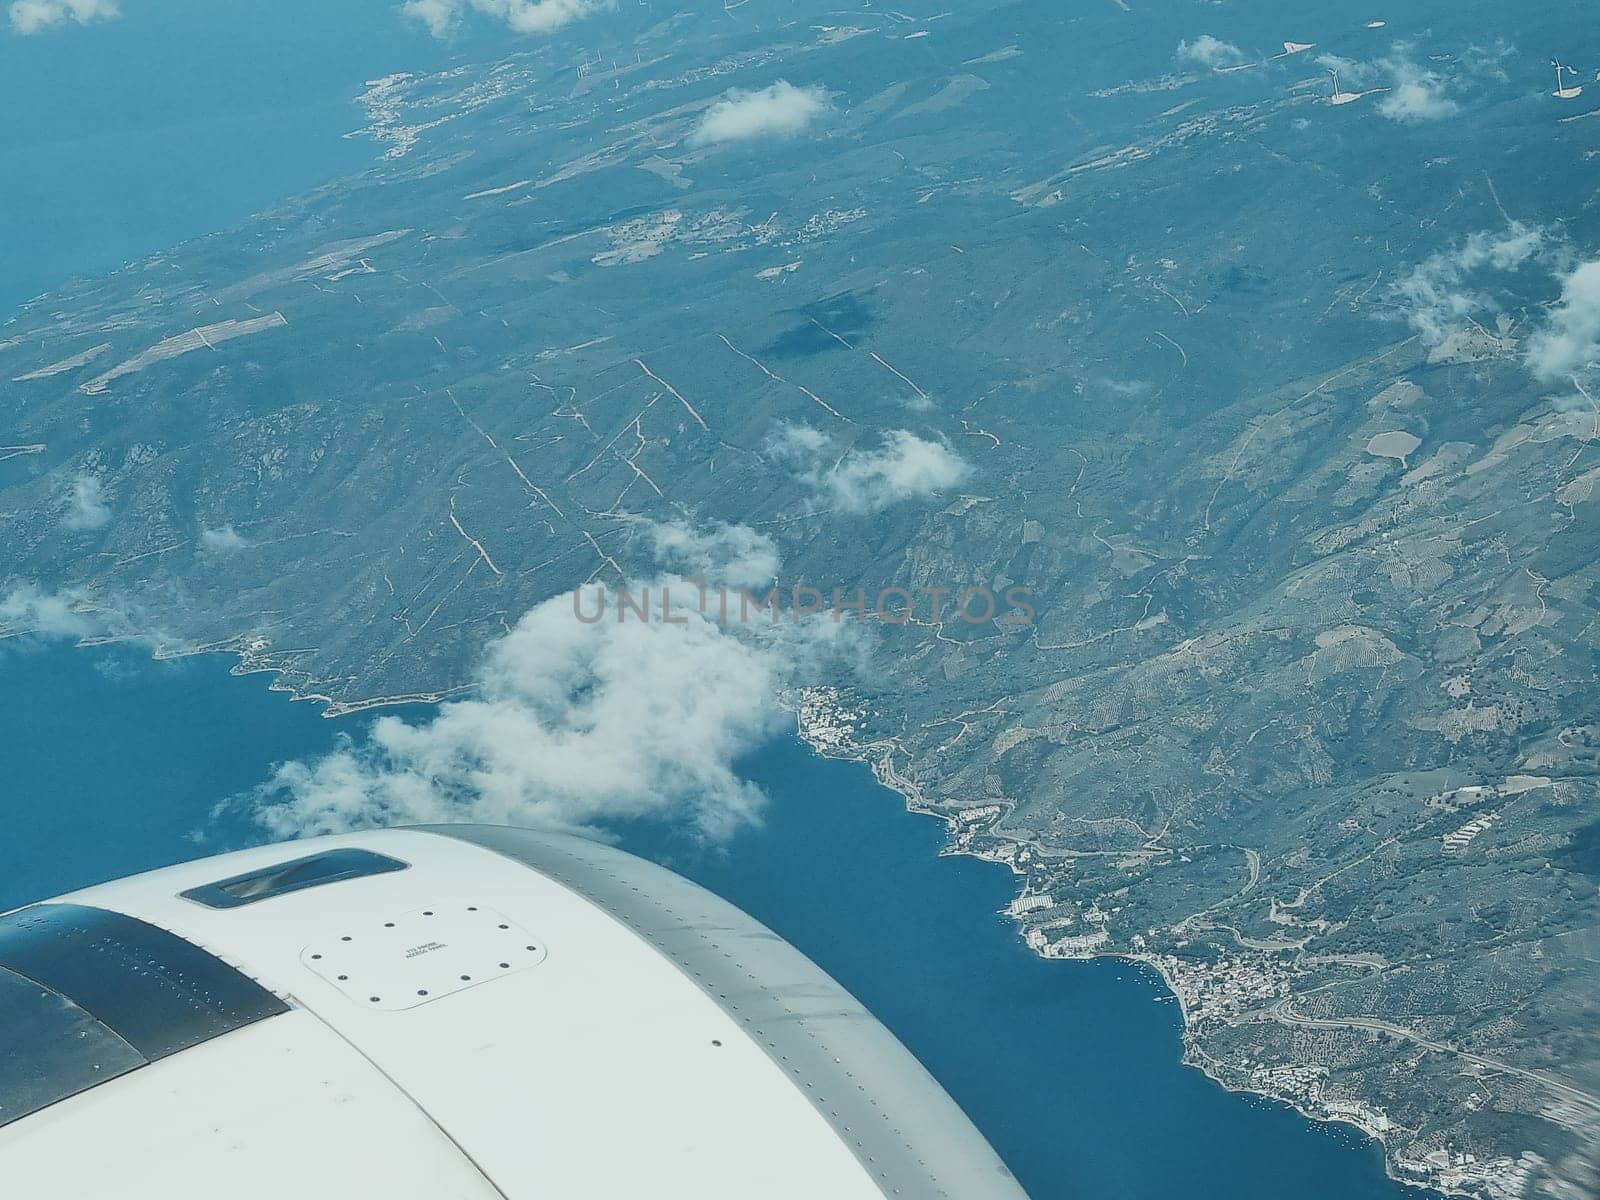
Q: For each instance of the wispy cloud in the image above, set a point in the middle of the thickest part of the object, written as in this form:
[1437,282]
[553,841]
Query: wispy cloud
[1418,98]
[87,506]
[444,17]
[225,539]
[905,467]
[1570,338]
[794,443]
[1444,295]
[29,609]
[1414,94]
[902,467]
[781,110]
[35,16]
[1489,61]
[440,16]
[733,554]
[1207,51]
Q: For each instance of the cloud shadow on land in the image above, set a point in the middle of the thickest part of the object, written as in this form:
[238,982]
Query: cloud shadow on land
[819,327]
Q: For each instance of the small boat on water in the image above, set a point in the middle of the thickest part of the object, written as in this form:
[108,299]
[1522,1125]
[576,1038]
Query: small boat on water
[1341,97]
[1563,92]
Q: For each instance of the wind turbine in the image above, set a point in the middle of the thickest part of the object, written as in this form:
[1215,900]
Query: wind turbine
[1562,92]
[1339,97]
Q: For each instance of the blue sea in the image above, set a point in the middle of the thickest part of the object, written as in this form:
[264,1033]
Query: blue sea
[114,764]
[183,117]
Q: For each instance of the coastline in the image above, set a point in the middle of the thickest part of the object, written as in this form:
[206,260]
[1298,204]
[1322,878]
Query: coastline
[252,658]
[830,728]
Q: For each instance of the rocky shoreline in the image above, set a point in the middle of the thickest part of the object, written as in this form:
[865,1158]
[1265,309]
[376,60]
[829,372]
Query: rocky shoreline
[832,727]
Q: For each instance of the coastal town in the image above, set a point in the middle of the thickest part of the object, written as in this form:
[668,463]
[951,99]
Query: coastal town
[1214,989]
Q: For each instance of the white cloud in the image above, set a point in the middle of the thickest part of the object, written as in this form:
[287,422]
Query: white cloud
[223,540]
[1208,51]
[1418,99]
[572,726]
[86,504]
[781,110]
[735,555]
[905,467]
[1414,94]
[72,612]
[587,714]
[36,16]
[1570,339]
[1441,296]
[1504,252]
[28,609]
[442,17]
[792,442]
